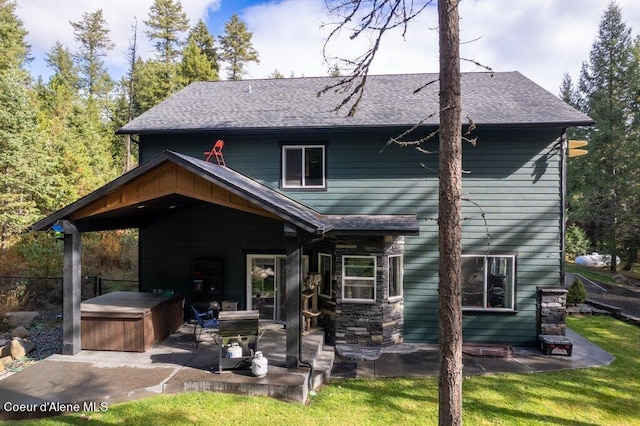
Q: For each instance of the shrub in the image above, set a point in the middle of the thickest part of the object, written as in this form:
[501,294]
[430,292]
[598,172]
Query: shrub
[577,242]
[577,293]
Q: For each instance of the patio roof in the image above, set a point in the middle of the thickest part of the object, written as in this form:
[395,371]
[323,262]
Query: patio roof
[172,181]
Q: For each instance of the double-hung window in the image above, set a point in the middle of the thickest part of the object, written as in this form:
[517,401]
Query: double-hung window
[359,278]
[395,276]
[488,282]
[303,166]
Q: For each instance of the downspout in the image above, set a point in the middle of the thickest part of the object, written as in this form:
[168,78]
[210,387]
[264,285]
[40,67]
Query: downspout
[563,204]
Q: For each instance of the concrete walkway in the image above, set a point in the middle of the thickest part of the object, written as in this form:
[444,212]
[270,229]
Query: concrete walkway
[175,365]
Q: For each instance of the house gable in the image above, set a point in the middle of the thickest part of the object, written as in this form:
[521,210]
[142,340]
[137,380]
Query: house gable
[166,182]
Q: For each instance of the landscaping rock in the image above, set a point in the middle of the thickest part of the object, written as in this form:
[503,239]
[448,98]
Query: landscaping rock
[21,318]
[20,332]
[620,279]
[5,349]
[17,349]
[6,360]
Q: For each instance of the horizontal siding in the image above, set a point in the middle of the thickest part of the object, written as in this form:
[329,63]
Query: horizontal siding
[512,179]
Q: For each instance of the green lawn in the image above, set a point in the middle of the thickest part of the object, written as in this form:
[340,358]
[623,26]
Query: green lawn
[597,396]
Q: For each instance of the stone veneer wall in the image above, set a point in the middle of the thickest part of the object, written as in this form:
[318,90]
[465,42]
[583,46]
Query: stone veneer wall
[552,310]
[380,322]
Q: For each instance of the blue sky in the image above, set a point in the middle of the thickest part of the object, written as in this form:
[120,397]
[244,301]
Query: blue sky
[540,38]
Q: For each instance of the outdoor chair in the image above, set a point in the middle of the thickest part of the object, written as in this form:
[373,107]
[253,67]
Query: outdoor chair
[216,152]
[204,320]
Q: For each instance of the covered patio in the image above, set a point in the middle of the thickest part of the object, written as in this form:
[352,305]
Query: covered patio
[172,193]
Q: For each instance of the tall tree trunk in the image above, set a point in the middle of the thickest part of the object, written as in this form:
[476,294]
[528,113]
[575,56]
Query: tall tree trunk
[449,215]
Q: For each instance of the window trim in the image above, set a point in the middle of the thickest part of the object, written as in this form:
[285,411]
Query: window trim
[303,147]
[372,279]
[513,284]
[401,292]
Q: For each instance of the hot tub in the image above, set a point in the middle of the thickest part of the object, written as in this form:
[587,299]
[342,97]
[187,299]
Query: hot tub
[129,321]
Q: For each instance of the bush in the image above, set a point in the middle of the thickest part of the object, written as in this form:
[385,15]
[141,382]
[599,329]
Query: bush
[577,242]
[577,293]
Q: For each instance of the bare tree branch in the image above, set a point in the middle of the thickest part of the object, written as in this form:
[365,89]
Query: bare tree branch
[378,16]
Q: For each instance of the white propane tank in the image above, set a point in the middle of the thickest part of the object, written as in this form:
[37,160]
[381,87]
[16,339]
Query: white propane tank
[234,350]
[259,365]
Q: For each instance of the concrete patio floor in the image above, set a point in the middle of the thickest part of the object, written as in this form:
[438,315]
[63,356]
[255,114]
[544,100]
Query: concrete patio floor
[176,365]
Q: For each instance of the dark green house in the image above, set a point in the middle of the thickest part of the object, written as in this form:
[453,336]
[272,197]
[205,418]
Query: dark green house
[312,196]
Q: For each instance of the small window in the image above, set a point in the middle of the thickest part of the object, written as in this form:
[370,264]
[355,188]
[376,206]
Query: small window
[488,282]
[303,166]
[359,278]
[395,276]
[324,268]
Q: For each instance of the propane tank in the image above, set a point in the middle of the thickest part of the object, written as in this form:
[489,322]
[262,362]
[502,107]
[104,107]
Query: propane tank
[259,365]
[234,350]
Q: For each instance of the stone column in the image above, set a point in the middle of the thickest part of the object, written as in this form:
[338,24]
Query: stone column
[552,310]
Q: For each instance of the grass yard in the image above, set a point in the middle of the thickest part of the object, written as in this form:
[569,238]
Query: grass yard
[597,396]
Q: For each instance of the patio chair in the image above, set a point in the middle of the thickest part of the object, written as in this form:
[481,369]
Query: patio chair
[205,320]
[216,152]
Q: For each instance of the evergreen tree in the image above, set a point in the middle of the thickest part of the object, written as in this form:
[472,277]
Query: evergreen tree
[14,51]
[599,183]
[276,74]
[60,60]
[568,91]
[167,22]
[23,160]
[92,35]
[152,84]
[201,36]
[237,49]
[159,78]
[195,65]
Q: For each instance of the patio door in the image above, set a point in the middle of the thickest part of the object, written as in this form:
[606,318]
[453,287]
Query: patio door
[266,285]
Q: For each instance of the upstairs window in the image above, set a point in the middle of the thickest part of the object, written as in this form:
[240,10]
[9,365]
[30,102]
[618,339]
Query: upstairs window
[488,282]
[303,166]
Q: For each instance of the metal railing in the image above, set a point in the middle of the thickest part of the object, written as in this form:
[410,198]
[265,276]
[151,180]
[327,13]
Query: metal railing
[41,291]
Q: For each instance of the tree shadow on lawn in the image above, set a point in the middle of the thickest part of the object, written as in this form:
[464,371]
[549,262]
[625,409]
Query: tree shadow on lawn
[593,396]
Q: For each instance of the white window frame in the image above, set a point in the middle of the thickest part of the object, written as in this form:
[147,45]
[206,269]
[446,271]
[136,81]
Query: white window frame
[326,285]
[510,285]
[303,148]
[346,279]
[400,284]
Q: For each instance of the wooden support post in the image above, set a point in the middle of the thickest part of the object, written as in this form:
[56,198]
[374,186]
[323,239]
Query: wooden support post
[71,289]
[293,297]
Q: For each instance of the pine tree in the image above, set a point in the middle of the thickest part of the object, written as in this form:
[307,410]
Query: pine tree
[24,187]
[199,58]
[159,78]
[167,22]
[14,51]
[60,60]
[206,43]
[237,49]
[92,35]
[599,182]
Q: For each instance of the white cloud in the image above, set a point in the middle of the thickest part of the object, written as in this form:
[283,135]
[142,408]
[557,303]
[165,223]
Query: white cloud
[48,21]
[540,38]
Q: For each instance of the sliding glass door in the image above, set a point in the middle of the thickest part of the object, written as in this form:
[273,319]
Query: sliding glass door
[266,285]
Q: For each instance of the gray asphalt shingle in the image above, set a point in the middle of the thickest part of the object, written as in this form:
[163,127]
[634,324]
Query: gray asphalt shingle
[504,98]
